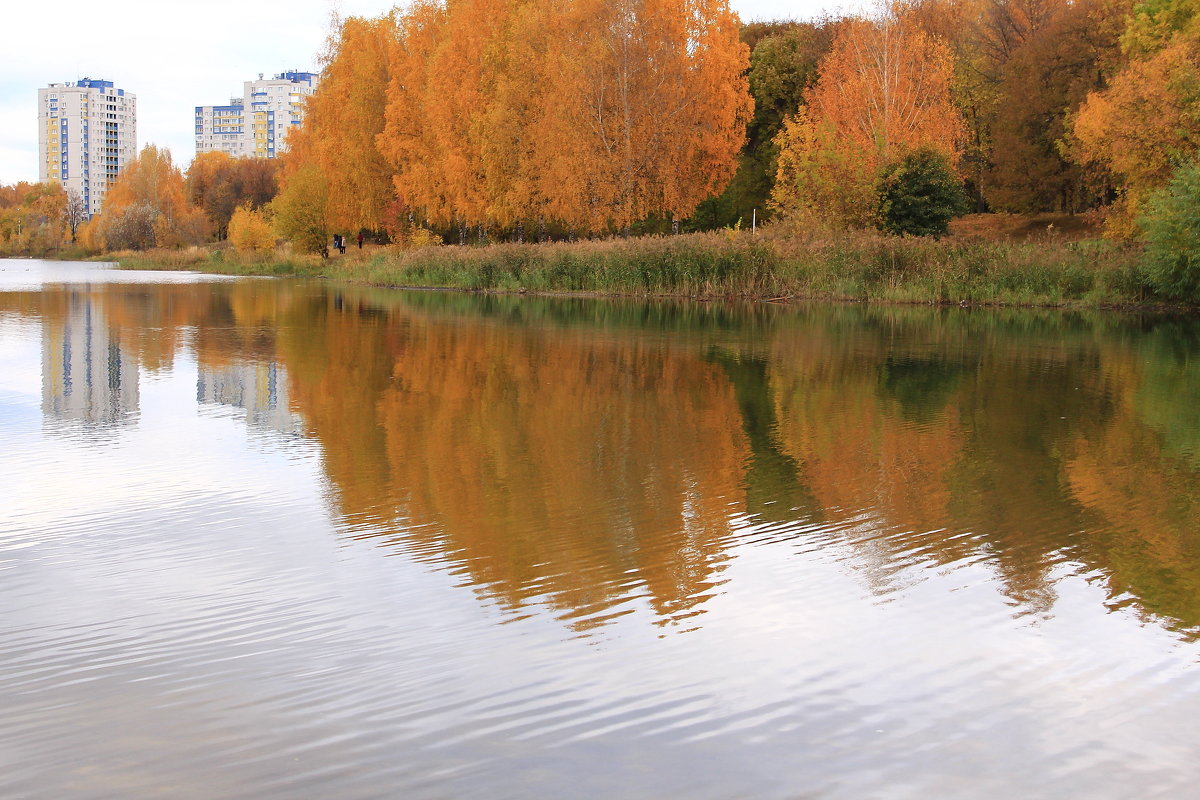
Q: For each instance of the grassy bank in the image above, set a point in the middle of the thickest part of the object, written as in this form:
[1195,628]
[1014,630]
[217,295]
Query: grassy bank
[772,264]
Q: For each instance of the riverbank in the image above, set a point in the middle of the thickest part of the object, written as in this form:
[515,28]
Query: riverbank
[773,264]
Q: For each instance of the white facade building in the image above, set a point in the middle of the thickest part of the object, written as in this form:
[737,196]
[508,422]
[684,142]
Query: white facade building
[87,132]
[256,125]
[261,389]
[87,375]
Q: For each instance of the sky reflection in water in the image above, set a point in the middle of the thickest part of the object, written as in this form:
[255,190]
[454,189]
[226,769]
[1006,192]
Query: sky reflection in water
[274,538]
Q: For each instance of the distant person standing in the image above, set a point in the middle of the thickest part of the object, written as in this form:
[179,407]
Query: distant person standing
[360,238]
[337,242]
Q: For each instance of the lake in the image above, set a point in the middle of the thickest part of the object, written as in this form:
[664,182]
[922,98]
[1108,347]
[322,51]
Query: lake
[276,539]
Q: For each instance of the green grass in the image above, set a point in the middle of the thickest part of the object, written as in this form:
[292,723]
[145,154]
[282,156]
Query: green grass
[775,263]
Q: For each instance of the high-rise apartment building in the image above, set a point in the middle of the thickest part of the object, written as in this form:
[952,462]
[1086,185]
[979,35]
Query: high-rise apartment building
[87,132]
[256,125]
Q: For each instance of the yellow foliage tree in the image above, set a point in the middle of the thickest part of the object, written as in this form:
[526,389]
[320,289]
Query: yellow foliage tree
[250,231]
[343,119]
[88,237]
[1144,124]
[33,218]
[822,173]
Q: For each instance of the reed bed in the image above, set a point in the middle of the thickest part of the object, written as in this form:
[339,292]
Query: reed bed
[776,263]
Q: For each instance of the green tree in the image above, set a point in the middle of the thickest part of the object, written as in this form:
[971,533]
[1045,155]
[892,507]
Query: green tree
[782,67]
[783,64]
[1171,221]
[1154,23]
[920,194]
[300,211]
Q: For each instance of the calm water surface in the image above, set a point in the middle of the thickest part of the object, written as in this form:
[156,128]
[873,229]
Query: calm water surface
[278,539]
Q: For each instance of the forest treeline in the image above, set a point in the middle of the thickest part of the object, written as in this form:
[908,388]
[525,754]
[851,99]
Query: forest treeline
[597,116]
[486,120]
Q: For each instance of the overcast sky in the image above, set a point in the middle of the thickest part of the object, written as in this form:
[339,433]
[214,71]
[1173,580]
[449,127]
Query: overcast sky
[176,57]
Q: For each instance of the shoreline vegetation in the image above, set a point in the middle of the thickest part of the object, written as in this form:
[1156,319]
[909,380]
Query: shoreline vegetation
[502,122]
[778,263]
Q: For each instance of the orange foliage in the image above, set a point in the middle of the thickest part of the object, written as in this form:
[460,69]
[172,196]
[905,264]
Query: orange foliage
[596,114]
[219,183]
[654,109]
[343,119]
[33,218]
[147,205]
[1146,122]
[409,139]
[884,90]
[151,178]
[885,86]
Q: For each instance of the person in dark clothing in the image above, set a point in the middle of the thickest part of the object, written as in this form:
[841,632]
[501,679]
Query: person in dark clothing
[337,242]
[360,238]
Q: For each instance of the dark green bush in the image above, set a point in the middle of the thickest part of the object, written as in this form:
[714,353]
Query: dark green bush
[920,194]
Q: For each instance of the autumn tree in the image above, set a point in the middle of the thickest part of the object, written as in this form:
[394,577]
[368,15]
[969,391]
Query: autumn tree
[468,83]
[1152,24]
[218,183]
[209,186]
[409,140]
[596,114]
[975,84]
[1021,69]
[47,212]
[508,129]
[1144,123]
[32,218]
[656,105]
[147,206]
[884,91]
[822,173]
[250,231]
[74,213]
[1044,82]
[783,65]
[342,120]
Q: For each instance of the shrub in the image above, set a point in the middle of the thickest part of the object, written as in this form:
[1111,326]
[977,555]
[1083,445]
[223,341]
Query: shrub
[920,194]
[249,230]
[1171,221]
